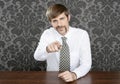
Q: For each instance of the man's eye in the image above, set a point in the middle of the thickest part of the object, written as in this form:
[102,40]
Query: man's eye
[62,18]
[54,21]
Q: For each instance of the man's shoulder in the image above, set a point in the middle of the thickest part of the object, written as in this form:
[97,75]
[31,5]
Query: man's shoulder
[78,30]
[50,29]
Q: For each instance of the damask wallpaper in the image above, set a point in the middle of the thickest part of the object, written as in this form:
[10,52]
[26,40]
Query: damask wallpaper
[23,21]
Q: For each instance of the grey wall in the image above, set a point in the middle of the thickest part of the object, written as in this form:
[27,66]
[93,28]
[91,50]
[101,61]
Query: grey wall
[23,21]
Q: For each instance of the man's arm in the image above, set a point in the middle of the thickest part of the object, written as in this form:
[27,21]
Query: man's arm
[85,59]
[40,52]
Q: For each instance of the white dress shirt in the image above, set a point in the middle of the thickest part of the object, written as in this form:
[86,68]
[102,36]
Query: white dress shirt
[80,51]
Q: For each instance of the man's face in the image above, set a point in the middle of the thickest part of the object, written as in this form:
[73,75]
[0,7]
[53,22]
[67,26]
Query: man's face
[61,23]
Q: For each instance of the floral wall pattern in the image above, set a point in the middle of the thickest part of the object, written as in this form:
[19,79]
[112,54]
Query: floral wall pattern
[23,21]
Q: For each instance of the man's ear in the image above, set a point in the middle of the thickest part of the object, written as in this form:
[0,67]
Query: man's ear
[69,17]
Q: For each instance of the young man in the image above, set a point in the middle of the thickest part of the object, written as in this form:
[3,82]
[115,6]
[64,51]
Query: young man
[51,45]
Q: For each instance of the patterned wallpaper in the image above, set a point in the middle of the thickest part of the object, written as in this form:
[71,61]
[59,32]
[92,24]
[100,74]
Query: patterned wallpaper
[23,21]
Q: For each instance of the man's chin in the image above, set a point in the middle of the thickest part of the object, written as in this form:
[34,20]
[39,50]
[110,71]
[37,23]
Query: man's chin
[62,33]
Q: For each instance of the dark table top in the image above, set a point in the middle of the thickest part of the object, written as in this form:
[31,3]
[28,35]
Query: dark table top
[42,77]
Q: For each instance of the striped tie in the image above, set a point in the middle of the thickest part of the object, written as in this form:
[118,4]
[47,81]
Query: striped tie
[64,64]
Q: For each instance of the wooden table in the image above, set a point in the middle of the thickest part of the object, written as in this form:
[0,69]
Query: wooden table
[41,77]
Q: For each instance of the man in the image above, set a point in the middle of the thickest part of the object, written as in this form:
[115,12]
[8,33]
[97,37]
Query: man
[51,45]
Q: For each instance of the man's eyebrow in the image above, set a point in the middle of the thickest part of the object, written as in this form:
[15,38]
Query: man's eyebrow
[54,20]
[62,17]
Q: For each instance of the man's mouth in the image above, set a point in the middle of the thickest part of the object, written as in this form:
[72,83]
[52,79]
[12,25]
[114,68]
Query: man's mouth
[60,27]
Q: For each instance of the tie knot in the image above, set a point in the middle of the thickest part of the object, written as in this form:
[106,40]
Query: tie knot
[64,38]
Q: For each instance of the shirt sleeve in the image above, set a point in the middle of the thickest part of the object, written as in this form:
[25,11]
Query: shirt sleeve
[40,52]
[85,57]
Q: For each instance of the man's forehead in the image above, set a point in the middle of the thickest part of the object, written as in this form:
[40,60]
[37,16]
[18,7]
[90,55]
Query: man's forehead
[60,16]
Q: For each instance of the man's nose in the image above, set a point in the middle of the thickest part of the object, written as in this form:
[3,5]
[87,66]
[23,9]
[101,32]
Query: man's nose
[59,23]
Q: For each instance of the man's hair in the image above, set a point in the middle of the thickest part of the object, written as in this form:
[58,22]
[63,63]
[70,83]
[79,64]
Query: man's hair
[55,10]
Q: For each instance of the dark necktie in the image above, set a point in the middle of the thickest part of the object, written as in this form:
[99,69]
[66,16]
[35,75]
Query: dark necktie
[64,64]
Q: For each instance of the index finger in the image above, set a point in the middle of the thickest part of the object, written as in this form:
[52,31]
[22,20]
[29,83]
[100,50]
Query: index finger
[58,44]
[62,74]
